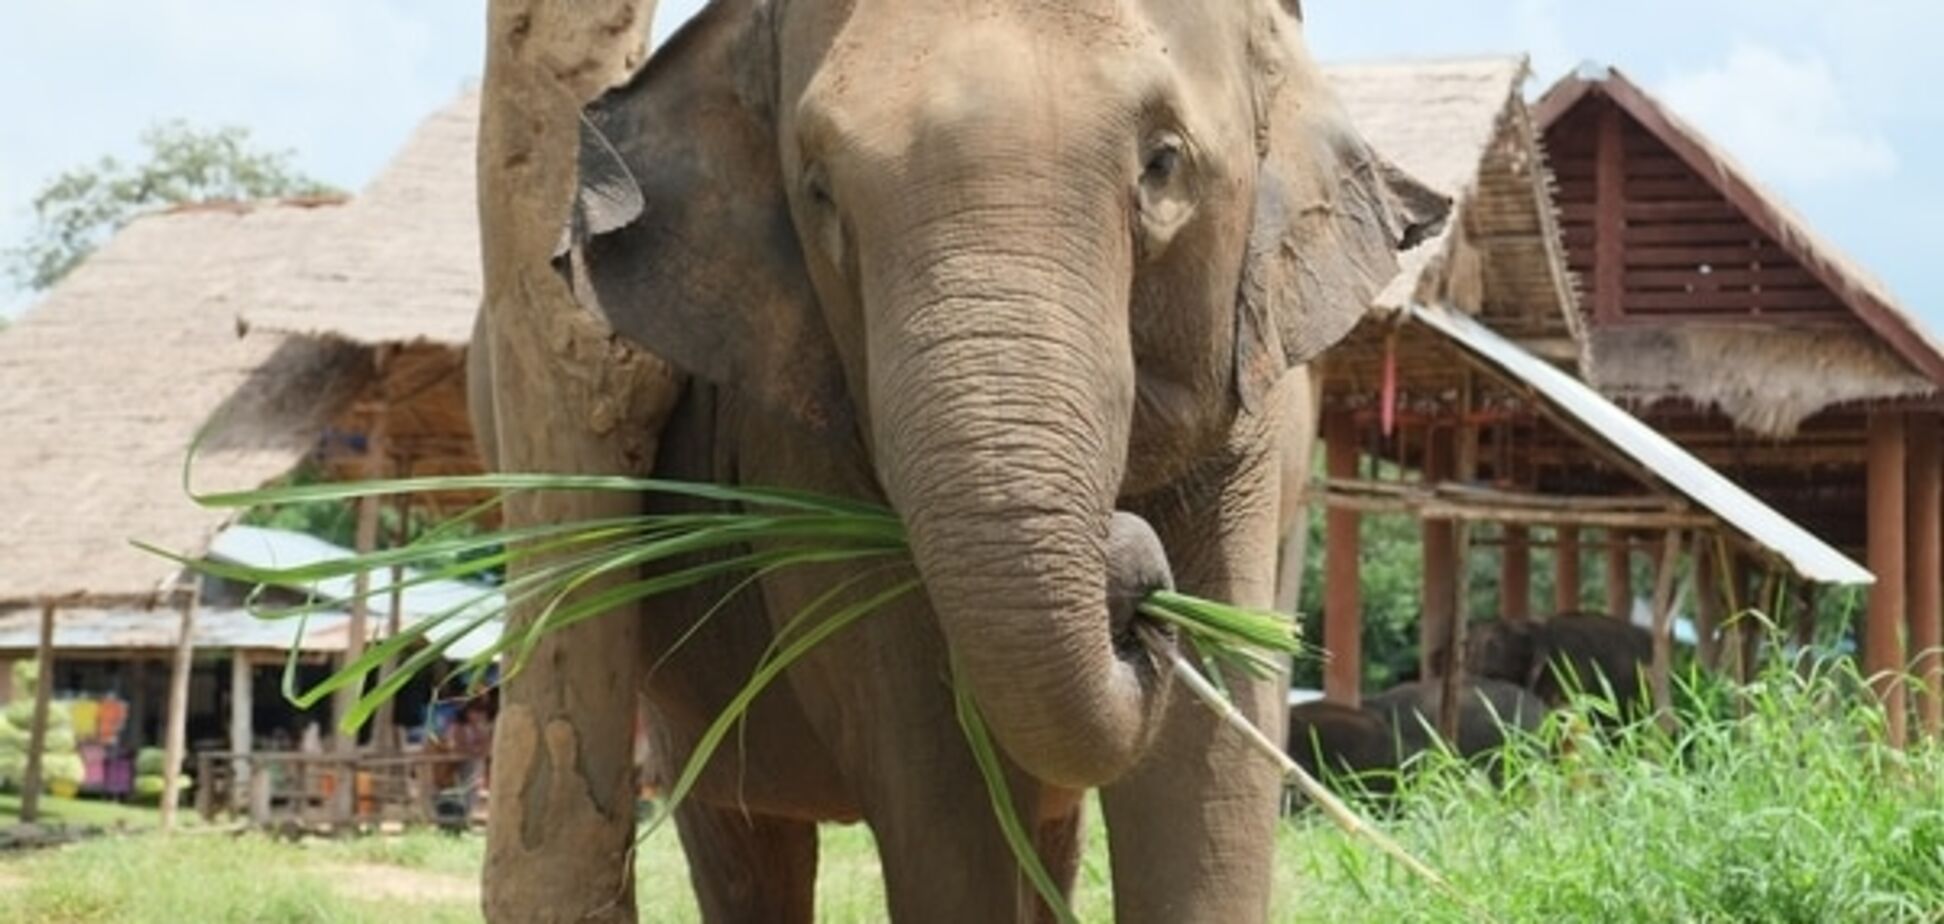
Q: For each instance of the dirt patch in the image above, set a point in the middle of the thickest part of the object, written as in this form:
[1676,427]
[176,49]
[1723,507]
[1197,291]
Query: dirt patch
[394,883]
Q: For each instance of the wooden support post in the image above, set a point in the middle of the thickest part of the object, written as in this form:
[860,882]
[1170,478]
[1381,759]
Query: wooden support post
[1438,591]
[1659,676]
[365,541]
[6,680]
[1707,602]
[1771,604]
[30,778]
[242,728]
[175,733]
[1451,672]
[385,723]
[1342,579]
[1805,630]
[1515,575]
[1609,218]
[1883,652]
[1926,520]
[1566,569]
[1619,577]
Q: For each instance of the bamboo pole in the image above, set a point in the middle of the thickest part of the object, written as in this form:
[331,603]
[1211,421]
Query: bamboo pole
[176,733]
[1661,673]
[31,782]
[242,729]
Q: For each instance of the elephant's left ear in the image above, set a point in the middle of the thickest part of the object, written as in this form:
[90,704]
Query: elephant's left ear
[1331,215]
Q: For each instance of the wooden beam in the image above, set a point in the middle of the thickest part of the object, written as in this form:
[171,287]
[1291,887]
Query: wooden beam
[30,778]
[1451,670]
[1609,223]
[242,738]
[1566,569]
[1883,653]
[1342,579]
[1926,567]
[175,733]
[1619,578]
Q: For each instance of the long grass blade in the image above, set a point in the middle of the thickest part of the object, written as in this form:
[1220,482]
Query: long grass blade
[986,755]
[767,672]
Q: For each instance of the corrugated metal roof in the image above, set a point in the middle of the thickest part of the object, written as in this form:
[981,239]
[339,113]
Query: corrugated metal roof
[223,629]
[258,547]
[1810,557]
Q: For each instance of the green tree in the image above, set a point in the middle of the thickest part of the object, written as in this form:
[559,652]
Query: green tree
[79,209]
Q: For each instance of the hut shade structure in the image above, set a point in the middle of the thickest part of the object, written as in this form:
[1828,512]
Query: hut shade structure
[1683,258]
[1465,374]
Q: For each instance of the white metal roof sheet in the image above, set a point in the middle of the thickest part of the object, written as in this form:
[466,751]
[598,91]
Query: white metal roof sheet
[1810,557]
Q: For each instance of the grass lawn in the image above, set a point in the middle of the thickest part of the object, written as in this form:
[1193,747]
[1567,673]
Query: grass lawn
[1776,808]
[85,812]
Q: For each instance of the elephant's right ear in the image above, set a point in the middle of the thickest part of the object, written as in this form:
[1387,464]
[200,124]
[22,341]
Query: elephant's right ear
[1331,215]
[681,238]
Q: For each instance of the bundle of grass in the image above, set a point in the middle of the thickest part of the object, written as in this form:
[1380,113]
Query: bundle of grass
[754,533]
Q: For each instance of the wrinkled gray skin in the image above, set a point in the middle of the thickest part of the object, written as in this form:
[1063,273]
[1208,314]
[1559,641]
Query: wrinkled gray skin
[1487,709]
[1008,267]
[1567,653]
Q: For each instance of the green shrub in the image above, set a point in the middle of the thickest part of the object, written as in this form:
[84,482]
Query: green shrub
[149,762]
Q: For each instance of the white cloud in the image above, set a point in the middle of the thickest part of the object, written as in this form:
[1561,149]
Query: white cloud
[1787,117]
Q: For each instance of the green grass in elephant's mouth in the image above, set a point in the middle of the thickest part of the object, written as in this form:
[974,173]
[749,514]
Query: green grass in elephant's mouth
[571,572]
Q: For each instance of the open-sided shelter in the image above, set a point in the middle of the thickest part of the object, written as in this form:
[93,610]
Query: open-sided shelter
[1725,321]
[1469,365]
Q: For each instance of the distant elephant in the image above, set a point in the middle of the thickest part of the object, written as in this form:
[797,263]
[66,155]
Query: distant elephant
[1569,652]
[1034,275]
[1332,740]
[1485,713]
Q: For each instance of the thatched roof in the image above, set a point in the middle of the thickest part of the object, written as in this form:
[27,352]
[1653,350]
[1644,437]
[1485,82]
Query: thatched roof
[400,263]
[1461,127]
[106,382]
[1782,373]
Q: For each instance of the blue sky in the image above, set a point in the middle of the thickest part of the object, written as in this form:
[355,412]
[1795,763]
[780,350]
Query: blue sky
[1834,105]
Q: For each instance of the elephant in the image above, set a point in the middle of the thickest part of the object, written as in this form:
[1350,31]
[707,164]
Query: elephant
[1039,278]
[1330,739]
[1489,708]
[1567,653]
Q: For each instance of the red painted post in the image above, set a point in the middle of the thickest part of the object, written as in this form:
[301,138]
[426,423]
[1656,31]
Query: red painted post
[1926,512]
[1883,650]
[1342,579]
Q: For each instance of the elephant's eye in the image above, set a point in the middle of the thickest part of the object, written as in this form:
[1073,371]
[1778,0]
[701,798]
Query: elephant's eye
[1163,162]
[816,186]
[1165,197]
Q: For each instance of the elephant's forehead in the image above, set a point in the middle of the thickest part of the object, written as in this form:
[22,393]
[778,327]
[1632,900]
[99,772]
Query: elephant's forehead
[886,80]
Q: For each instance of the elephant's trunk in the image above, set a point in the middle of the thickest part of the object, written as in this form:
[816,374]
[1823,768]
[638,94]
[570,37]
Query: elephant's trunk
[1002,387]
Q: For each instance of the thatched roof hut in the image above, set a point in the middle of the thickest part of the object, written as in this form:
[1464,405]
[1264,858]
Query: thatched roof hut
[1710,263]
[1729,324]
[288,329]
[106,383]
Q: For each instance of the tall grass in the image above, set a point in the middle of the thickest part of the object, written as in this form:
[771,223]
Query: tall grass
[1785,806]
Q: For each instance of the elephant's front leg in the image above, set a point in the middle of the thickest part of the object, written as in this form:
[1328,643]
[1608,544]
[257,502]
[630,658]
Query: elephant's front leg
[1192,828]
